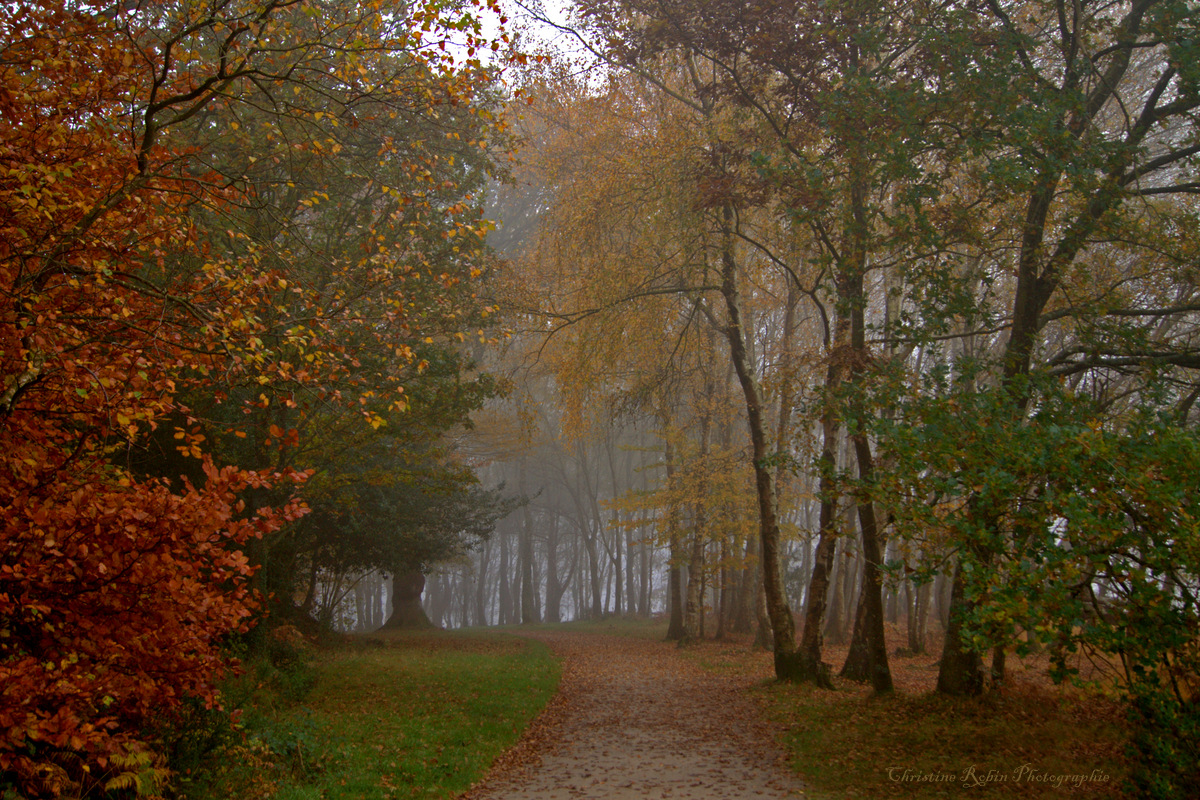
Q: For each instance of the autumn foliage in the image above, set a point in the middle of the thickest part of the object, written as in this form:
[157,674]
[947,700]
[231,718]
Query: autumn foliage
[120,579]
[115,590]
[117,596]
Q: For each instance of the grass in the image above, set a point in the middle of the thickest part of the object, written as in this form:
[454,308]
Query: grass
[1033,740]
[423,715]
[400,715]
[1028,742]
[631,626]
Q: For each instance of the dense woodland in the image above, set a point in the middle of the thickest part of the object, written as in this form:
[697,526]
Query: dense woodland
[792,318]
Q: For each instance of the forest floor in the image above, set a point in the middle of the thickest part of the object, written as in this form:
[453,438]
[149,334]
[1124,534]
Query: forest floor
[404,714]
[637,719]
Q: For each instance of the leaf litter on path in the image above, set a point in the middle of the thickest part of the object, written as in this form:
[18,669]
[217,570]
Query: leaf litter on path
[634,720]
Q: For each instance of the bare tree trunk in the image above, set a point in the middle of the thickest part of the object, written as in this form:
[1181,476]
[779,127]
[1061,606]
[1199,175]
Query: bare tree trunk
[554,585]
[506,599]
[746,601]
[764,638]
[360,605]
[618,582]
[724,600]
[867,659]
[892,601]
[675,627]
[481,574]
[595,574]
[694,611]
[374,598]
[788,665]
[961,670]
[618,533]
[924,594]
[912,604]
[645,555]
[631,600]
[692,623]
[577,594]
[529,614]
[834,633]
[812,642]
[406,602]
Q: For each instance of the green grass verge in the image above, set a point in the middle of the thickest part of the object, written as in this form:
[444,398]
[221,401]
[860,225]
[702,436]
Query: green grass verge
[1034,743]
[403,715]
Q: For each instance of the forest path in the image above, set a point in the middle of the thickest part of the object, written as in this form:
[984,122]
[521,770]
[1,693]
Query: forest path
[635,719]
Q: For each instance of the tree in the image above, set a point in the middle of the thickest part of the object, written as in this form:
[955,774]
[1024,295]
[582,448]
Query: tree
[102,633]
[823,176]
[112,305]
[641,266]
[363,240]
[1081,181]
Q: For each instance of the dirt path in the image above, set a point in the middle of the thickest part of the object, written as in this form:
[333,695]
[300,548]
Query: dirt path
[634,719]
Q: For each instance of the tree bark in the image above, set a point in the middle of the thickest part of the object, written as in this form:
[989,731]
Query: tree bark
[812,641]
[834,624]
[555,587]
[868,648]
[789,665]
[529,611]
[506,604]
[406,603]
[694,610]
[746,599]
[675,628]
[961,671]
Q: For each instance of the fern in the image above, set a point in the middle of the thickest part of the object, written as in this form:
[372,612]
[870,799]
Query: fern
[138,771]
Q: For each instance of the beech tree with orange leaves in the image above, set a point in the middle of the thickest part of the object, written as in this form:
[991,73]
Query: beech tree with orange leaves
[118,582]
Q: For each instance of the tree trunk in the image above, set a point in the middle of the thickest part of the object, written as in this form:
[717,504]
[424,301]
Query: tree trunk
[834,625]
[912,595]
[694,612]
[692,624]
[360,605]
[812,641]
[631,605]
[406,603]
[746,601]
[676,630]
[618,535]
[961,671]
[645,554]
[789,665]
[375,602]
[645,582]
[724,595]
[481,584]
[764,638]
[505,601]
[554,585]
[868,659]
[618,576]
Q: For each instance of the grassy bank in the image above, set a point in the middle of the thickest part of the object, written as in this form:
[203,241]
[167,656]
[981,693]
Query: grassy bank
[1034,740]
[396,716]
[1030,742]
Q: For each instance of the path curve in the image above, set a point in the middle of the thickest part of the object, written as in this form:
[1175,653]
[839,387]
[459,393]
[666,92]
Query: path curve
[634,720]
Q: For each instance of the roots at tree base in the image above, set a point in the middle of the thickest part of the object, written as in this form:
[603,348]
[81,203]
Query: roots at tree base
[799,667]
